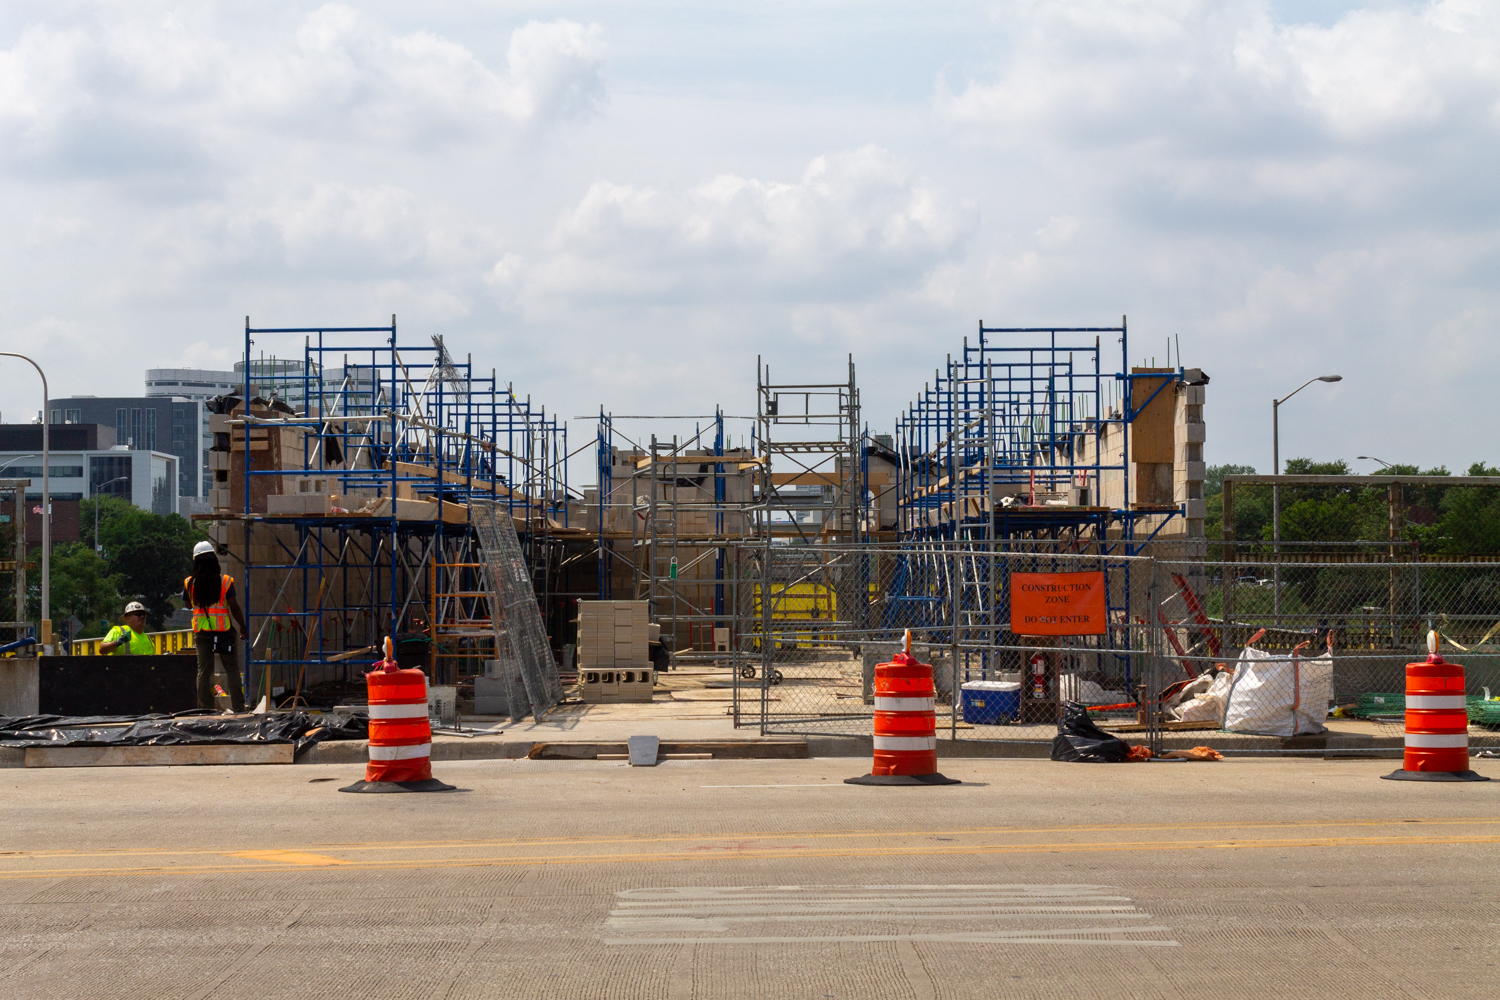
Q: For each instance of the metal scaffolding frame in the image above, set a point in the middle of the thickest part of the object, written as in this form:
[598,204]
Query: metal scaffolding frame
[413,436]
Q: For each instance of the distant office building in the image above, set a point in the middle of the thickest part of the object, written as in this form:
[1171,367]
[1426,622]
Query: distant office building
[148,423]
[268,376]
[85,461]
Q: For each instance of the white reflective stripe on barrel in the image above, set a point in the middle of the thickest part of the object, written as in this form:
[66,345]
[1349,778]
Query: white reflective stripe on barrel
[918,743]
[417,711]
[1431,701]
[905,704]
[401,753]
[1437,741]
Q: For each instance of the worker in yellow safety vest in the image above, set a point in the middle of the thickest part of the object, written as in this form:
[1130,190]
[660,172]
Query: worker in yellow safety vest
[210,593]
[129,639]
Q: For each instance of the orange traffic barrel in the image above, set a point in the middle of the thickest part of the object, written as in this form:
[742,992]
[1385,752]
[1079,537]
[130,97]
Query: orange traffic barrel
[1437,721]
[905,724]
[400,733]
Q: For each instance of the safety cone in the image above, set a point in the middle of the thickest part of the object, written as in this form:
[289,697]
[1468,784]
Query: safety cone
[400,734]
[1437,722]
[905,724]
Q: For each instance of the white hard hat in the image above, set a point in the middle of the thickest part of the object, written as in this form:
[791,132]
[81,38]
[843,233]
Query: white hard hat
[135,606]
[201,548]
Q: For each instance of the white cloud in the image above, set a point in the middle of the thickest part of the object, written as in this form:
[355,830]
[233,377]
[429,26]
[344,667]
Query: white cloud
[1211,73]
[118,93]
[855,223]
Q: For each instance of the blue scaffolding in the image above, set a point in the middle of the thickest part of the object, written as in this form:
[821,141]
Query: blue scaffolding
[1022,444]
[413,435]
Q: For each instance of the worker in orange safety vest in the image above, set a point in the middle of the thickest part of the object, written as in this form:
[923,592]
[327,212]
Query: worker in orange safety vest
[210,593]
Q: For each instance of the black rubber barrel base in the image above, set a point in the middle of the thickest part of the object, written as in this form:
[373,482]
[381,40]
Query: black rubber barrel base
[1434,776]
[902,779]
[430,785]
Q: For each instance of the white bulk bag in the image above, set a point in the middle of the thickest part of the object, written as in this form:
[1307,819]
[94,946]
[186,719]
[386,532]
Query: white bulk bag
[1278,695]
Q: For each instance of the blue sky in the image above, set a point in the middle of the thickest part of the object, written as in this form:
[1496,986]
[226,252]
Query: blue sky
[625,204]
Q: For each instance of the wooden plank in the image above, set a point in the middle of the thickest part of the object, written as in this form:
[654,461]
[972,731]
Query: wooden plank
[1151,432]
[169,756]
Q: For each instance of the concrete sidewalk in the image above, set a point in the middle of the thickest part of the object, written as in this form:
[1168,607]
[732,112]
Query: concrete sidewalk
[614,724]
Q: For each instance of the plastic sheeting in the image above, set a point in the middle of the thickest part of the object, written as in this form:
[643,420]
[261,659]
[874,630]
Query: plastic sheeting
[300,729]
[1078,739]
[1279,695]
[1202,700]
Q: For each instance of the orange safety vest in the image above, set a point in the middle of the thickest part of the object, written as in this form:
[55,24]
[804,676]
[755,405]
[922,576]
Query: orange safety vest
[215,618]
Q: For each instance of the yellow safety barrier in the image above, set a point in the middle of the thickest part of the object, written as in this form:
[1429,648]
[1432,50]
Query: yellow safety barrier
[165,642]
[804,604]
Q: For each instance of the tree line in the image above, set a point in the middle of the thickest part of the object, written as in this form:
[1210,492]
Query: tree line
[141,556]
[1438,520]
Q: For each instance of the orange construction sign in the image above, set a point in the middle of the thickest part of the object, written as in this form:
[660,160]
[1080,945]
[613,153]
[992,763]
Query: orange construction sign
[1057,604]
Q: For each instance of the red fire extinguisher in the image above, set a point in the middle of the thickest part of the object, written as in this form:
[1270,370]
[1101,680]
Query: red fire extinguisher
[1039,675]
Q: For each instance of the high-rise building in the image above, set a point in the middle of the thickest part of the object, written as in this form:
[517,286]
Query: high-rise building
[147,423]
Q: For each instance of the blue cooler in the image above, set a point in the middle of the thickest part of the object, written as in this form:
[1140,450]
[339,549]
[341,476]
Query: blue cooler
[991,703]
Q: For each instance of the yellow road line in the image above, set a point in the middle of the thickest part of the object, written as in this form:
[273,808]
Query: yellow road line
[779,835]
[290,857]
[751,853]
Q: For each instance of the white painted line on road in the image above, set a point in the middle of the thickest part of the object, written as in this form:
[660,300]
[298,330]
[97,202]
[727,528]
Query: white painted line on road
[997,938]
[811,784]
[996,914]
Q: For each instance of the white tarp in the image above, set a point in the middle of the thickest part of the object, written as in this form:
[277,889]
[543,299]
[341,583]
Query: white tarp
[1202,700]
[1279,695]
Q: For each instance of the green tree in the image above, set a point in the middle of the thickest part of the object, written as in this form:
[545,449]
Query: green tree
[80,585]
[1213,499]
[1468,521]
[148,554]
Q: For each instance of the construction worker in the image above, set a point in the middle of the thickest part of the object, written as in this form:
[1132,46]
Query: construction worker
[210,593]
[129,639]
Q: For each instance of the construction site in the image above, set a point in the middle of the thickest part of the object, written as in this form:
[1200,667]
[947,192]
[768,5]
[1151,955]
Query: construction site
[411,495]
[755,568]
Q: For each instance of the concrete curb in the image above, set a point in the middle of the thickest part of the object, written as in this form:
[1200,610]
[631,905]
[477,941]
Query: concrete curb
[480,748]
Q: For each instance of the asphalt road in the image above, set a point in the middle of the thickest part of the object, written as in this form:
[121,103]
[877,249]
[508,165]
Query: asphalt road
[1277,878]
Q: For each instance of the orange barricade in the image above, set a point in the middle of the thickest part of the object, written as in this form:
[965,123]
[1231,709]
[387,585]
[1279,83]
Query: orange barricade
[905,724]
[400,733]
[1437,721]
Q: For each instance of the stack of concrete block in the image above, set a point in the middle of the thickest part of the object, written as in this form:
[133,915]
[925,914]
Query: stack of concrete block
[613,634]
[602,687]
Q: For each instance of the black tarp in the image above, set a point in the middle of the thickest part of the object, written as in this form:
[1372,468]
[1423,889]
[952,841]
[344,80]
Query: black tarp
[300,729]
[1078,739]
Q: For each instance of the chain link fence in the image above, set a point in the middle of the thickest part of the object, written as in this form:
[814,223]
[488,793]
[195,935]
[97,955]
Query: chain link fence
[1253,642]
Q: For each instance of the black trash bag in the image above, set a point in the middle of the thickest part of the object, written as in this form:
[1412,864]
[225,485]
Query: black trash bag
[1078,739]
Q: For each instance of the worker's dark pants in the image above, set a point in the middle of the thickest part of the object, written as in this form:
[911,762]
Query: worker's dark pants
[209,643]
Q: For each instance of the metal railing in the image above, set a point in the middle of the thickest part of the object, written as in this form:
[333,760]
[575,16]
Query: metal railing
[176,641]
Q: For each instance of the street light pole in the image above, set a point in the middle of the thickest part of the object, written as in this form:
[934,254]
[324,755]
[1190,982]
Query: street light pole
[1372,458]
[46,623]
[1276,487]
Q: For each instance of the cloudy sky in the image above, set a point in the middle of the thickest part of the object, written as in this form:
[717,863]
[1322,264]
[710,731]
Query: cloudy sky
[625,204]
